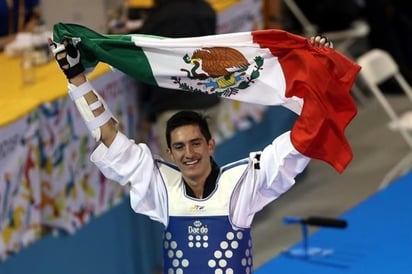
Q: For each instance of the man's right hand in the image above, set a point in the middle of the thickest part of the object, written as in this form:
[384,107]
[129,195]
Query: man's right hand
[68,58]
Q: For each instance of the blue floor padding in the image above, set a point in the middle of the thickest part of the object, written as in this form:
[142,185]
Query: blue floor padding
[378,239]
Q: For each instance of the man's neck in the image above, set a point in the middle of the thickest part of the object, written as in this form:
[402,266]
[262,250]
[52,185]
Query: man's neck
[198,191]
[204,189]
[197,185]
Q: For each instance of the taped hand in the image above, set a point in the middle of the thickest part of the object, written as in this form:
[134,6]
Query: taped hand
[68,58]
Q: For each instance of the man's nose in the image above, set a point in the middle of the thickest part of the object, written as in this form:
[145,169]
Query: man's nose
[189,151]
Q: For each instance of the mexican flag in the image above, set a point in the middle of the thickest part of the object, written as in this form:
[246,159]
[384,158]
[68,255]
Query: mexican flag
[269,67]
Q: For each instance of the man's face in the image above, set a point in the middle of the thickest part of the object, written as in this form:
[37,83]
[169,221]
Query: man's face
[191,152]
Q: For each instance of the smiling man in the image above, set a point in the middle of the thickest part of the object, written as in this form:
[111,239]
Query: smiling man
[191,147]
[207,210]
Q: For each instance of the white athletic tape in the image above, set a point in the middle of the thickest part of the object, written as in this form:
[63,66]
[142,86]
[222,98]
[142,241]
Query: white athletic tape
[95,105]
[93,123]
[59,48]
[97,121]
[78,91]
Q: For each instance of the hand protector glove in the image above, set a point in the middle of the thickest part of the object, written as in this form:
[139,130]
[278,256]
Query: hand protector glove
[68,58]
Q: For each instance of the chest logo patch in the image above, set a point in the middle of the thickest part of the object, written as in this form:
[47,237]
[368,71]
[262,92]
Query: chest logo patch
[198,235]
[197,208]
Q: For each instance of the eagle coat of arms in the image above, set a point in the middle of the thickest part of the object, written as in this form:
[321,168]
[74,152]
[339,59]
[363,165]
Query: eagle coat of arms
[220,71]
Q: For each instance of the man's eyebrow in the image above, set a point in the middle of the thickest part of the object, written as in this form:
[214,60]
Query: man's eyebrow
[191,140]
[177,143]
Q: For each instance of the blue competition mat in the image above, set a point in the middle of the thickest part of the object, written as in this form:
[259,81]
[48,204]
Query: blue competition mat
[378,239]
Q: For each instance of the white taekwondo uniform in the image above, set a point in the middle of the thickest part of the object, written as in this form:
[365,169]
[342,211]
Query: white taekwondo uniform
[210,235]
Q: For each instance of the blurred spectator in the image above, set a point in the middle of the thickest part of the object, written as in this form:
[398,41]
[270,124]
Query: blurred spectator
[129,17]
[390,24]
[273,14]
[177,18]
[17,16]
[138,9]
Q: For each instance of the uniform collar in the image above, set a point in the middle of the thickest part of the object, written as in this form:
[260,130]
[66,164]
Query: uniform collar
[210,181]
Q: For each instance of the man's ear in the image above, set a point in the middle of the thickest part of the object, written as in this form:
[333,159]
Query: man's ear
[212,146]
[169,154]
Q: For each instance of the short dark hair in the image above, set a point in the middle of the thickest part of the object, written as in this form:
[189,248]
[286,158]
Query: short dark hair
[184,118]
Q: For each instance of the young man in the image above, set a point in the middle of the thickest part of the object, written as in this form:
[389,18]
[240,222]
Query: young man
[207,210]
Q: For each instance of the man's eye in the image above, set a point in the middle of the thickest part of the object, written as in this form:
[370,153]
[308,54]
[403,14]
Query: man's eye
[178,147]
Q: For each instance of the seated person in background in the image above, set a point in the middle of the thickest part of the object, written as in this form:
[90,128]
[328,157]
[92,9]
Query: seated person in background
[273,13]
[17,16]
[176,19]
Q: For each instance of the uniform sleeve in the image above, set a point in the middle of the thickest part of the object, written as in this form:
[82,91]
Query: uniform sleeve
[271,173]
[129,163]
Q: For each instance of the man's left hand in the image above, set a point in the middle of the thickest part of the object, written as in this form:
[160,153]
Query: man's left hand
[321,41]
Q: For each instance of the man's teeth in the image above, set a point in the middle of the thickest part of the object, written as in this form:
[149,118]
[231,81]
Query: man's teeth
[191,162]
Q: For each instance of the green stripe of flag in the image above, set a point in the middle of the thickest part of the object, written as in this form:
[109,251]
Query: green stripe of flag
[117,50]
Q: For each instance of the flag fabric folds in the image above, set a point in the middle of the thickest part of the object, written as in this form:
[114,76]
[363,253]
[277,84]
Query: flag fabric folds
[269,67]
